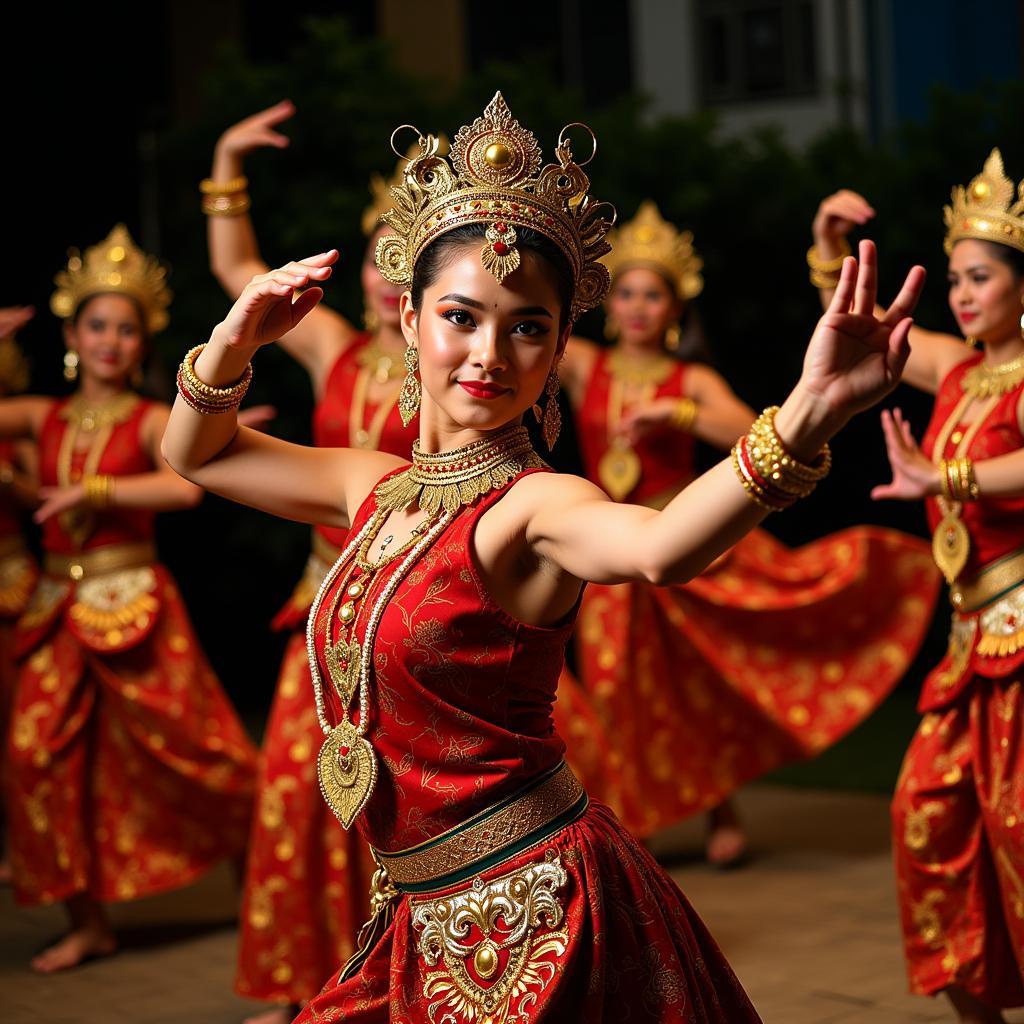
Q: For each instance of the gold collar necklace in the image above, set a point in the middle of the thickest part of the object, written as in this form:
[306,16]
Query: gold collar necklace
[448,480]
[89,416]
[983,381]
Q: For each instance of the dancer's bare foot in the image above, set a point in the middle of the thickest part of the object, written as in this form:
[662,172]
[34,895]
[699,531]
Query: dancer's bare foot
[970,1009]
[727,842]
[87,942]
[278,1015]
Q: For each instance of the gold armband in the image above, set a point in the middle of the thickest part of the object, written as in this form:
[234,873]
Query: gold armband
[956,478]
[684,414]
[99,489]
[225,198]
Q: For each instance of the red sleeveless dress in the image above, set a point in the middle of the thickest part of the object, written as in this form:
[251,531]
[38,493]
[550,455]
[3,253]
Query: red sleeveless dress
[306,880]
[958,811]
[18,576]
[461,704]
[769,656]
[129,772]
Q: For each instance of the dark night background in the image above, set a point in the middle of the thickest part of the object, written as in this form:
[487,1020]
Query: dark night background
[114,117]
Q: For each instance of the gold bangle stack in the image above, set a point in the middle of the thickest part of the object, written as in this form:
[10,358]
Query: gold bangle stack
[684,414]
[825,273]
[770,475]
[225,198]
[99,489]
[956,478]
[199,395]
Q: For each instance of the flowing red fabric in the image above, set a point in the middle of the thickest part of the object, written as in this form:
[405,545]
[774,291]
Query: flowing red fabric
[958,811]
[130,773]
[770,656]
[461,717]
[306,879]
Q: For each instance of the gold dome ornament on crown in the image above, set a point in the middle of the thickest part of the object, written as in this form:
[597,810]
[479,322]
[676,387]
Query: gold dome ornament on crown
[116,265]
[648,240]
[990,208]
[494,177]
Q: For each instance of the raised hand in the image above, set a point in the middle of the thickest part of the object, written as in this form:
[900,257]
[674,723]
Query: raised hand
[13,318]
[854,358]
[914,475]
[256,132]
[837,216]
[269,307]
[57,500]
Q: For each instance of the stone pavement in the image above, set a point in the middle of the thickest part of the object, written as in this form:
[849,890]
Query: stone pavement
[810,927]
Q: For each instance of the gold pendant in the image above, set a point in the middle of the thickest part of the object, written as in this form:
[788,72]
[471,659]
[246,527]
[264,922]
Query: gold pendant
[346,779]
[951,546]
[619,470]
[344,662]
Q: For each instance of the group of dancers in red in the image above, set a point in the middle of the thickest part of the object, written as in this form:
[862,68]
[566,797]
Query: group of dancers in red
[415,750]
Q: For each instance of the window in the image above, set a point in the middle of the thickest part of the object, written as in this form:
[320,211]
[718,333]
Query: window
[757,49]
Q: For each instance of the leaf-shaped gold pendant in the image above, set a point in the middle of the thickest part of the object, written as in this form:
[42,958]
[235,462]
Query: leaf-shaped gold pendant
[343,663]
[951,546]
[347,769]
[619,470]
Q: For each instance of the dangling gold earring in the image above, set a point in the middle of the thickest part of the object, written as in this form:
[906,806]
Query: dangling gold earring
[70,365]
[552,420]
[370,319]
[611,327]
[672,338]
[972,341]
[409,397]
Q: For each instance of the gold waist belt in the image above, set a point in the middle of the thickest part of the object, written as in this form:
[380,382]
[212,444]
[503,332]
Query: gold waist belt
[995,580]
[111,558]
[13,545]
[498,832]
[324,549]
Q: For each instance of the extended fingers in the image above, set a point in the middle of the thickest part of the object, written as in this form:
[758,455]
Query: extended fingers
[906,301]
[867,279]
[843,296]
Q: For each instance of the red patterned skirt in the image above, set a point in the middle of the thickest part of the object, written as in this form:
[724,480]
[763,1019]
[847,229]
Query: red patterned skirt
[306,878]
[129,771]
[590,929]
[958,838]
[770,656]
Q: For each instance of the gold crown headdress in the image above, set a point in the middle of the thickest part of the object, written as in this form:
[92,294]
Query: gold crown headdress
[495,177]
[648,240]
[13,367]
[990,208]
[381,188]
[116,264]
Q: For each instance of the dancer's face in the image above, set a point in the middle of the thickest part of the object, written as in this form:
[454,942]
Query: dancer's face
[382,297]
[643,306]
[485,349]
[984,292]
[109,338]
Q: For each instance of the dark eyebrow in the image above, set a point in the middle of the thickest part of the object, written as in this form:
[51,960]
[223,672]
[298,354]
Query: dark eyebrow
[977,266]
[521,311]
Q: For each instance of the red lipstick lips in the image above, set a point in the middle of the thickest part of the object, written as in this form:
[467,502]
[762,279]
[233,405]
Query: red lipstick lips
[482,389]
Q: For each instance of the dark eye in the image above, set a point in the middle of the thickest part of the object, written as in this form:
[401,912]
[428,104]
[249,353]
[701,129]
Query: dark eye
[95,325]
[529,328]
[458,317]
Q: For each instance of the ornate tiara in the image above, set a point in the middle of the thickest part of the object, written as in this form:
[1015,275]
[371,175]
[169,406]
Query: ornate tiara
[494,176]
[648,240]
[116,264]
[990,208]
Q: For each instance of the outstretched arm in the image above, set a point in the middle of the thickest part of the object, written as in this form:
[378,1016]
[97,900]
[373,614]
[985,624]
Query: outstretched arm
[313,485]
[234,252]
[853,360]
[932,353]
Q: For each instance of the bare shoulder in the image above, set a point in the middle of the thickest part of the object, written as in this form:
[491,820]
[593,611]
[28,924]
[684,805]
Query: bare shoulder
[542,497]
[362,471]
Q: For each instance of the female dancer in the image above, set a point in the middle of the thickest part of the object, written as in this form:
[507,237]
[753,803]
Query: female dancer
[958,811]
[129,771]
[768,656]
[437,638]
[306,881]
[18,569]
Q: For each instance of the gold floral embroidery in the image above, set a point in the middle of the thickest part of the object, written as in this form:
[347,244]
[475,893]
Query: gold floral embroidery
[916,827]
[495,963]
[961,644]
[115,600]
